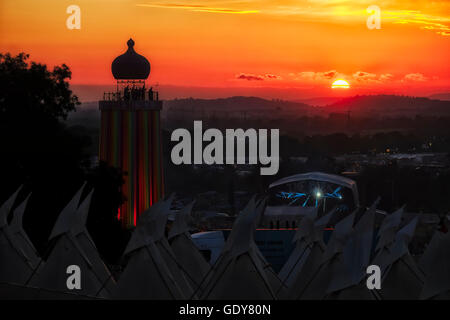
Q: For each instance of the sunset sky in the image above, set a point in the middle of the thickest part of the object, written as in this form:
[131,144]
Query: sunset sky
[216,48]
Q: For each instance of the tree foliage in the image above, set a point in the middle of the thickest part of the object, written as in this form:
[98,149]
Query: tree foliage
[41,152]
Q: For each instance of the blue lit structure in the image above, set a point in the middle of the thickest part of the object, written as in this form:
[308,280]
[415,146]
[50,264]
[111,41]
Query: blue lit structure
[317,194]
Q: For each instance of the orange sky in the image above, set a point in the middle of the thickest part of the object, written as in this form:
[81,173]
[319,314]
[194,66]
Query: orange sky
[298,45]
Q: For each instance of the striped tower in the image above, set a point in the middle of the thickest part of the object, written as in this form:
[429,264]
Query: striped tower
[130,137]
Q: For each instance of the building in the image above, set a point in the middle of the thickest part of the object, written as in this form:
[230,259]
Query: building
[292,197]
[130,137]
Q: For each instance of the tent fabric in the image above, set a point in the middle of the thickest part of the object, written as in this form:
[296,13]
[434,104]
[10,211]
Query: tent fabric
[401,277]
[388,228]
[185,251]
[181,223]
[303,238]
[18,257]
[239,272]
[66,218]
[95,278]
[356,253]
[313,281]
[20,237]
[74,246]
[6,207]
[146,276]
[153,271]
[435,263]
[190,258]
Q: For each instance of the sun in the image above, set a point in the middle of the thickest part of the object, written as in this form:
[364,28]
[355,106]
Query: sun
[340,84]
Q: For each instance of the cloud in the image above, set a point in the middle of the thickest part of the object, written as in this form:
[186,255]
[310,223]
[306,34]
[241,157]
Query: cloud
[327,75]
[312,75]
[433,17]
[196,8]
[272,77]
[386,77]
[438,24]
[257,77]
[362,76]
[249,77]
[415,77]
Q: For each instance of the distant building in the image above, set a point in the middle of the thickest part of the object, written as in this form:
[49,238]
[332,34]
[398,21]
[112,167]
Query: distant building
[294,196]
[130,136]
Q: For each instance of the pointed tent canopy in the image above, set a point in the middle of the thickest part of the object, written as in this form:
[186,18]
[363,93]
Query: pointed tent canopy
[274,281]
[435,262]
[147,276]
[389,228]
[17,219]
[400,247]
[180,224]
[185,251]
[5,209]
[239,272]
[306,224]
[67,217]
[150,226]
[309,248]
[398,266]
[302,238]
[79,223]
[356,254]
[152,271]
[315,277]
[339,237]
[20,238]
[73,246]
[321,224]
[18,258]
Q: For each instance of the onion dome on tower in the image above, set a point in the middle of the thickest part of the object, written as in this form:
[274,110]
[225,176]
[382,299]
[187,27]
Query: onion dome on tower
[130,65]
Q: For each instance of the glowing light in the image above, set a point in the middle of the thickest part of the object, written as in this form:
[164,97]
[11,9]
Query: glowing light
[318,194]
[340,84]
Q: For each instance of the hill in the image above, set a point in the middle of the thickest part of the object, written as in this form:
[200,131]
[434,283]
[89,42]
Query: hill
[390,105]
[441,96]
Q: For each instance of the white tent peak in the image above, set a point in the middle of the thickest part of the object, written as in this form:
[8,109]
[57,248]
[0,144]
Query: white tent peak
[306,225]
[342,231]
[242,233]
[7,206]
[157,221]
[389,228]
[151,225]
[82,213]
[181,223]
[67,216]
[406,233]
[17,220]
[238,224]
[393,220]
[321,224]
[351,268]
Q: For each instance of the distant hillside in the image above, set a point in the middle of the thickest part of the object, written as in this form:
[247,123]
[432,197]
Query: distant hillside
[87,114]
[233,106]
[319,101]
[441,96]
[390,105]
[243,108]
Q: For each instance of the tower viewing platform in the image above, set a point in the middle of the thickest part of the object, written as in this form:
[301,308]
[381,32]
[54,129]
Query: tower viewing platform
[131,97]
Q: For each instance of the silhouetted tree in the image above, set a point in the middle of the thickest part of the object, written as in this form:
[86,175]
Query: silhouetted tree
[38,150]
